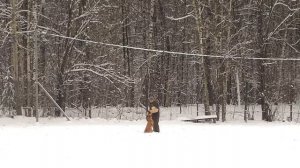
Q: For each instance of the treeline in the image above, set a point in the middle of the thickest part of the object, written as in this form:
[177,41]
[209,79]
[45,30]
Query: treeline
[253,39]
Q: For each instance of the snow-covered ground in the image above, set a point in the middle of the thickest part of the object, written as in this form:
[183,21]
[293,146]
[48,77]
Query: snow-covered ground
[95,143]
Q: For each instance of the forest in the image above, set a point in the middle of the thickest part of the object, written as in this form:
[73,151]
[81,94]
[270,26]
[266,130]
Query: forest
[100,53]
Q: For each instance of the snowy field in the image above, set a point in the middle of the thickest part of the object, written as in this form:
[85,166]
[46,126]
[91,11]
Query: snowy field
[99,143]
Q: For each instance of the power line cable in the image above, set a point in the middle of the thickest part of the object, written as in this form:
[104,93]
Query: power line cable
[173,52]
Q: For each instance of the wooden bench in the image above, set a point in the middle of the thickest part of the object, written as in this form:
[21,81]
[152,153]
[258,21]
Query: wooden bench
[205,118]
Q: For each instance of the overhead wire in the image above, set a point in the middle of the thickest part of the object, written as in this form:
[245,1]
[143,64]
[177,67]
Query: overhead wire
[172,52]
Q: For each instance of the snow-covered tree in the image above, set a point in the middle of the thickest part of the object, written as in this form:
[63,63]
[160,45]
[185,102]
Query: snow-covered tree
[7,101]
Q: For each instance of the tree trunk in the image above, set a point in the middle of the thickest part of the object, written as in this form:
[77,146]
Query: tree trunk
[279,83]
[60,99]
[224,88]
[42,47]
[246,102]
[238,88]
[208,51]
[151,44]
[225,64]
[35,66]
[261,67]
[200,35]
[61,96]
[126,54]
[29,55]
[15,58]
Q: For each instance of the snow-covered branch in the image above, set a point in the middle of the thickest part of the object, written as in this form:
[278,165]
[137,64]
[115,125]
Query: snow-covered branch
[283,21]
[103,70]
[179,18]
[287,6]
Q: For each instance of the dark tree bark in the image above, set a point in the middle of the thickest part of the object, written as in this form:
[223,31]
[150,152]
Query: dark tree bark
[261,67]
[61,76]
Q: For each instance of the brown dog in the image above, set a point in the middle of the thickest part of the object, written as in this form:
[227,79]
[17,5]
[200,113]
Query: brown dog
[149,126]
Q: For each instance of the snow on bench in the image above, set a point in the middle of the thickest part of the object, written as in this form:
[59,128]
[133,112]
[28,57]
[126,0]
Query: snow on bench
[197,119]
